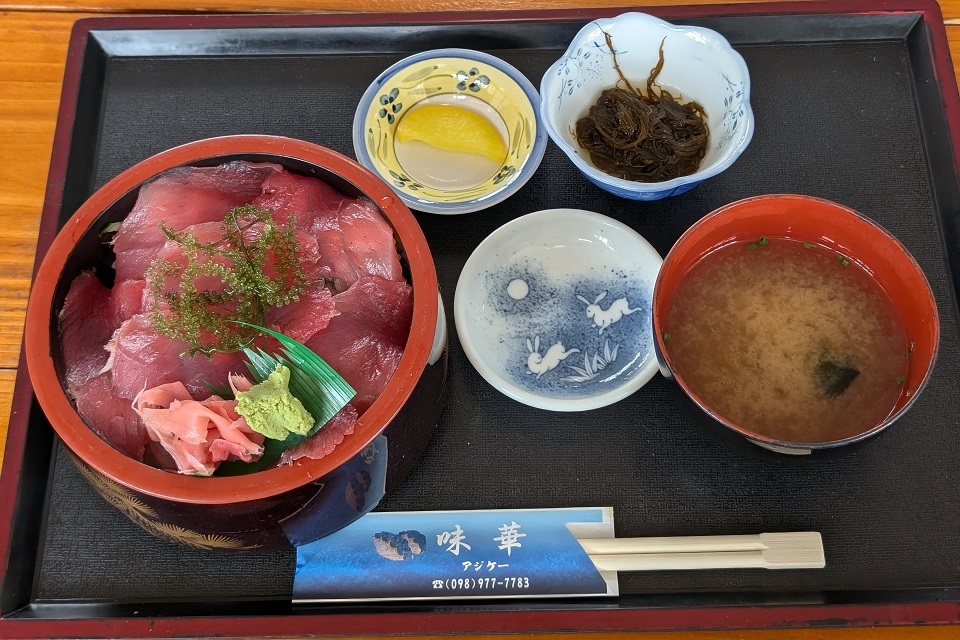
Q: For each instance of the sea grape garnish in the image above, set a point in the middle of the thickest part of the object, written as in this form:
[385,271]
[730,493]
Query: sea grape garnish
[234,279]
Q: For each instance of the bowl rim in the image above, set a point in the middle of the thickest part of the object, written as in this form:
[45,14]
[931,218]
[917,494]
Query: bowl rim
[768,441]
[102,457]
[632,186]
[510,186]
[505,386]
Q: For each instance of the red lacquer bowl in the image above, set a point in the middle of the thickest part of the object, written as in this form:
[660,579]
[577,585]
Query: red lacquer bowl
[251,511]
[835,227]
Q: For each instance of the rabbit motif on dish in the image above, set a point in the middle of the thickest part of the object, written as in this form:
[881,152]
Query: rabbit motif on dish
[603,318]
[540,364]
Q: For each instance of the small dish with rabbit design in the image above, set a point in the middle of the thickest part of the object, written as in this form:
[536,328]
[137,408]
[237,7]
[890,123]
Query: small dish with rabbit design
[553,310]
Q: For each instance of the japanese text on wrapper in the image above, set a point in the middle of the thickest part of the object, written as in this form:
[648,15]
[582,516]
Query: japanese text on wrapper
[455,541]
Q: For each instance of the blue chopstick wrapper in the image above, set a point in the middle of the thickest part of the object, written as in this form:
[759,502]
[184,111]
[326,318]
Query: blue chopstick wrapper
[457,554]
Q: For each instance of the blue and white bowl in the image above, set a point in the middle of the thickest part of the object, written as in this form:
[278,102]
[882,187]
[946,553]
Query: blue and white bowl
[553,309]
[699,65]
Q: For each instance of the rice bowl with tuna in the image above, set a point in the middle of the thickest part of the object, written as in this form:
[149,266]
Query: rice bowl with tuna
[258,506]
[354,311]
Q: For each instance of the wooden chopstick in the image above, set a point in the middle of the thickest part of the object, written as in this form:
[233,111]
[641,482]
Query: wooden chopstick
[795,550]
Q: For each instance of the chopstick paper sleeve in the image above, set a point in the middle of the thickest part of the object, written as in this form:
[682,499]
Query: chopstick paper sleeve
[457,554]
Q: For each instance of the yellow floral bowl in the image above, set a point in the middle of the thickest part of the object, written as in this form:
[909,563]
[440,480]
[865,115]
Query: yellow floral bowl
[446,180]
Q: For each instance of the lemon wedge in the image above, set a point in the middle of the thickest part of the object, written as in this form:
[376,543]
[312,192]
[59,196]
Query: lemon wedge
[452,128]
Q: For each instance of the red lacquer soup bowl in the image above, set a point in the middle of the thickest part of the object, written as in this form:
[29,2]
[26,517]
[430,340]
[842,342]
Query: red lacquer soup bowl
[274,507]
[817,223]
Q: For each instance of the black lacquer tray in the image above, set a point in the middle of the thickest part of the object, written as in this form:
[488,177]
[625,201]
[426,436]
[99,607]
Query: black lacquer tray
[856,104]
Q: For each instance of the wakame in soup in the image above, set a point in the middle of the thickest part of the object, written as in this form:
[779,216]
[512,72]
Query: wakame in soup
[787,339]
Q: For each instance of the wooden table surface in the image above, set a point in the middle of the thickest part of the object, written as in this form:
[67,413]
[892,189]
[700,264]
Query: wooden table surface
[33,42]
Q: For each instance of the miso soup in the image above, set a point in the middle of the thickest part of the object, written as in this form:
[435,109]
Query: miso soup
[788,340]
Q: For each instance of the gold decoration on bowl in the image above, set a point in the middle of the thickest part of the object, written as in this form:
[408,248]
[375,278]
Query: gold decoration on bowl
[144,516]
[205,541]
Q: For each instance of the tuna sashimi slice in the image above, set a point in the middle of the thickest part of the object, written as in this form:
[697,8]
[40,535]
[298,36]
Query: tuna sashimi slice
[142,358]
[365,341]
[180,198]
[334,264]
[369,240]
[110,417]
[84,328]
[326,439]
[91,314]
[355,241]
[297,198]
[126,301]
[302,319]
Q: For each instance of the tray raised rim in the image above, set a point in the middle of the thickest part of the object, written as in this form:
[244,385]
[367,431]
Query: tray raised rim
[606,616]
